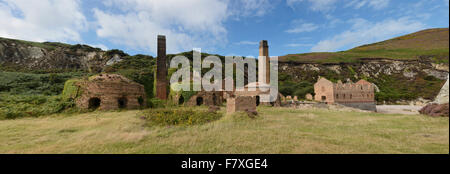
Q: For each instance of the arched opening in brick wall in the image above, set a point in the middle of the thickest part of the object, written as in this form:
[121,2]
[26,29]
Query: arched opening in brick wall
[258,100]
[199,101]
[141,101]
[181,100]
[94,103]
[324,98]
[122,103]
[214,97]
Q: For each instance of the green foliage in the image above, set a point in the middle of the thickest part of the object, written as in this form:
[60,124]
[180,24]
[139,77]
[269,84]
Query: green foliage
[111,53]
[156,103]
[186,94]
[71,91]
[18,106]
[179,116]
[27,83]
[299,89]
[397,87]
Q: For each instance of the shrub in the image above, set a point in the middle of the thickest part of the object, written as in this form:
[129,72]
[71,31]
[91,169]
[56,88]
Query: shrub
[17,106]
[179,116]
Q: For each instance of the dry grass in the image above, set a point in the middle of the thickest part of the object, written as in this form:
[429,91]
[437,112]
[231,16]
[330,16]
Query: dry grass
[278,130]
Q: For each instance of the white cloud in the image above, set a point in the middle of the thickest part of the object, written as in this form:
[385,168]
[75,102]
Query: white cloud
[375,4]
[250,8]
[101,46]
[316,5]
[247,43]
[365,32]
[186,24]
[298,45]
[42,20]
[299,26]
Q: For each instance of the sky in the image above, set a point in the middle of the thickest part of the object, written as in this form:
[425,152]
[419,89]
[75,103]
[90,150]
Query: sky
[225,27]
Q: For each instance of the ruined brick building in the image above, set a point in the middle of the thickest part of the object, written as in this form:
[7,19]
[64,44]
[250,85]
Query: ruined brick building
[248,97]
[358,95]
[108,92]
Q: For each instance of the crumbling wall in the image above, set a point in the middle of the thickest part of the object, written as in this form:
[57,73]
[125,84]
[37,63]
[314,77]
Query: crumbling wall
[241,103]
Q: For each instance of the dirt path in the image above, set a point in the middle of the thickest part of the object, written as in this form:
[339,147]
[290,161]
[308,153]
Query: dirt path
[399,109]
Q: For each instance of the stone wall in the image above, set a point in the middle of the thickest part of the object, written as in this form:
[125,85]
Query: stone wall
[206,98]
[241,103]
[359,95]
[363,106]
[324,90]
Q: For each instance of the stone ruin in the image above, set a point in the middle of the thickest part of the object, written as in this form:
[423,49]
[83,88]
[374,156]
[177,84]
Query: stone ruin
[359,95]
[107,92]
[202,98]
[241,98]
[241,103]
[309,97]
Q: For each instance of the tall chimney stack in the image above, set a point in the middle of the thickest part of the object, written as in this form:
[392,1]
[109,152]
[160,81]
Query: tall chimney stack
[161,69]
[264,63]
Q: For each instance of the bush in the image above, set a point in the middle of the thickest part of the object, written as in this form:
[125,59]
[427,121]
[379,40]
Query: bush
[179,116]
[17,106]
[35,84]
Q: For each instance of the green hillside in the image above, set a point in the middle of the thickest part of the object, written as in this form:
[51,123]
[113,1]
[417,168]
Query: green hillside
[430,44]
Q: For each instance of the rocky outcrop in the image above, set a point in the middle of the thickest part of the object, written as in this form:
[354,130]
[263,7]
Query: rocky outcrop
[372,68]
[442,97]
[17,54]
[436,110]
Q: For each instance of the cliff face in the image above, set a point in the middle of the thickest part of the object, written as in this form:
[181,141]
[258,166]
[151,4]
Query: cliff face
[23,55]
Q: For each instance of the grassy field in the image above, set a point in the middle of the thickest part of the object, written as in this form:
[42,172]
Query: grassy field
[277,130]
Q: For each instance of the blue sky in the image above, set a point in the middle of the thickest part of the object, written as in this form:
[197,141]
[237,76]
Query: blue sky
[226,27]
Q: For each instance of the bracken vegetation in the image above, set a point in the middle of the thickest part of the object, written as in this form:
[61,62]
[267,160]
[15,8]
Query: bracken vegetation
[179,116]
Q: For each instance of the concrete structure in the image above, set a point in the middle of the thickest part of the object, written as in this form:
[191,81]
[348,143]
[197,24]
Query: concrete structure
[109,92]
[241,103]
[161,69]
[358,95]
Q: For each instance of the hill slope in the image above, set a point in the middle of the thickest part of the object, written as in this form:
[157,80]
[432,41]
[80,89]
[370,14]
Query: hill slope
[18,55]
[432,44]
